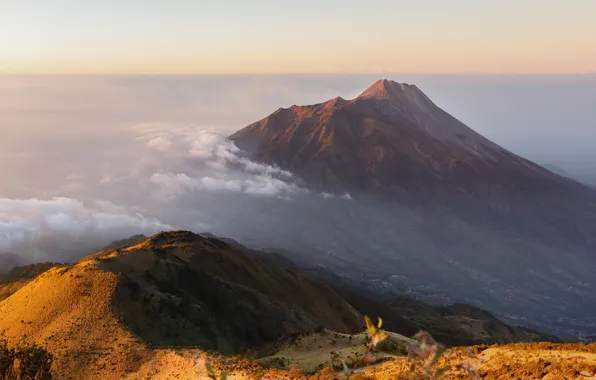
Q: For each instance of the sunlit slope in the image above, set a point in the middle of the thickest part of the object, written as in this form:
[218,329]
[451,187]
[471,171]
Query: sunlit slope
[100,316]
[69,311]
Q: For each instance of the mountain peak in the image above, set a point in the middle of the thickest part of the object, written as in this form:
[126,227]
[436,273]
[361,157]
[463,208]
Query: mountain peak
[368,143]
[390,90]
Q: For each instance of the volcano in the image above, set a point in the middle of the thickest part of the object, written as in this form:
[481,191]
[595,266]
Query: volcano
[394,141]
[452,209]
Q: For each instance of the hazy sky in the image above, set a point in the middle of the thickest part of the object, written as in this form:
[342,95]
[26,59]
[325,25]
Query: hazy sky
[272,36]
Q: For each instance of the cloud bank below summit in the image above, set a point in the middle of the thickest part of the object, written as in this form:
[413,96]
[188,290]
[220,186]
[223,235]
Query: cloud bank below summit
[165,177]
[223,167]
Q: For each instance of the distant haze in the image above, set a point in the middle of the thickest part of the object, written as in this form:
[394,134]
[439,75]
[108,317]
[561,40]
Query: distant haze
[88,159]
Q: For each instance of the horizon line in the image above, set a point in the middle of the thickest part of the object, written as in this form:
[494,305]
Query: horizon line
[454,73]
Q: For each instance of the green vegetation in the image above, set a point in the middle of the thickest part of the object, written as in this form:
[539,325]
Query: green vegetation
[213,375]
[24,362]
[180,289]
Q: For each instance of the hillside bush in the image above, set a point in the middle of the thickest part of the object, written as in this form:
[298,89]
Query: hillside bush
[24,362]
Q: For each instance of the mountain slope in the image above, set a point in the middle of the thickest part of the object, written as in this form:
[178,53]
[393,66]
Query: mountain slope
[26,272]
[174,289]
[18,277]
[194,291]
[103,316]
[435,206]
[69,311]
[390,139]
[394,142]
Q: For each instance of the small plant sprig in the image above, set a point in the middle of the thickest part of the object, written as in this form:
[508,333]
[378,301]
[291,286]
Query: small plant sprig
[424,357]
[212,375]
[7,359]
[376,336]
[24,362]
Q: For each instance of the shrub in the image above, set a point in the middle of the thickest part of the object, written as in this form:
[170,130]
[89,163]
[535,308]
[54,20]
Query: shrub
[327,373]
[7,359]
[212,375]
[24,362]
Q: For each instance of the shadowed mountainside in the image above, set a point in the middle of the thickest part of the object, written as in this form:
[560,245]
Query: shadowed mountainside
[393,141]
[26,272]
[189,290]
[123,242]
[437,208]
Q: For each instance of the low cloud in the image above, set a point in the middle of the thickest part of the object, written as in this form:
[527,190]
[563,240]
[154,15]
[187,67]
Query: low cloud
[202,143]
[259,185]
[26,223]
[166,176]
[345,196]
[181,183]
[160,143]
[224,167]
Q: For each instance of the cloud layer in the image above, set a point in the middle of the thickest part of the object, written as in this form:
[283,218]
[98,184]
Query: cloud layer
[41,229]
[164,176]
[217,164]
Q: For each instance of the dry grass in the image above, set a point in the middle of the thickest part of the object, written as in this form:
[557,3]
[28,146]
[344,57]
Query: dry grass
[69,311]
[527,361]
[8,289]
[564,361]
[317,351]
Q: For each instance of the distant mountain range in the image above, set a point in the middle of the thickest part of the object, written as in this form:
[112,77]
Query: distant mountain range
[556,169]
[454,214]
[9,260]
[587,179]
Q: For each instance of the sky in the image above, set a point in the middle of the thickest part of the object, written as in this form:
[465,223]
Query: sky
[307,36]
